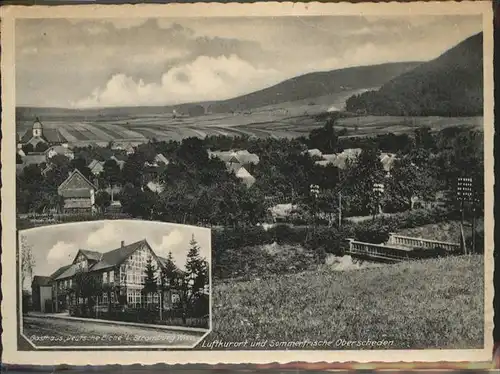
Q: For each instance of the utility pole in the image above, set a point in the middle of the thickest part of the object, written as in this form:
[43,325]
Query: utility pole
[378,189]
[464,193]
[339,182]
[314,189]
[340,208]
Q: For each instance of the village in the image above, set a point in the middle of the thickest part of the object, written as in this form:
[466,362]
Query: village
[202,182]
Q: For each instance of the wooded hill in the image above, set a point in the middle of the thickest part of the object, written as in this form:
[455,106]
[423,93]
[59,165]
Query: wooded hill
[450,85]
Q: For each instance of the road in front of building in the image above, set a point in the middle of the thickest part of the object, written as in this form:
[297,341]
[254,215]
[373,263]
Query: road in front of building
[49,332]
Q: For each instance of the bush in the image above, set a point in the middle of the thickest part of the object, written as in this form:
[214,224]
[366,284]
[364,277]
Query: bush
[284,234]
[479,242]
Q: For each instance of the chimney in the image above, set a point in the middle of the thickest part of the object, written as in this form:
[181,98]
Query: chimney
[123,244]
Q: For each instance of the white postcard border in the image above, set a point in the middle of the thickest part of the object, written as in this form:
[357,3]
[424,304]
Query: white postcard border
[10,353]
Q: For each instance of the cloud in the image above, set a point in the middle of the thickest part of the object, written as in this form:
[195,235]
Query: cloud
[169,242]
[109,235]
[205,78]
[61,251]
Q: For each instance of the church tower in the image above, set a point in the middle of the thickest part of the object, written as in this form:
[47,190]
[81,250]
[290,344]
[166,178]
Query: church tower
[37,128]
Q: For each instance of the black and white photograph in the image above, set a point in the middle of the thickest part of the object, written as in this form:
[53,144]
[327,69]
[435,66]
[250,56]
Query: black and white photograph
[115,283]
[278,179]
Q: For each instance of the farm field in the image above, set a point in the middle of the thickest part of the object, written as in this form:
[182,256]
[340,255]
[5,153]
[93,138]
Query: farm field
[261,125]
[289,120]
[412,304]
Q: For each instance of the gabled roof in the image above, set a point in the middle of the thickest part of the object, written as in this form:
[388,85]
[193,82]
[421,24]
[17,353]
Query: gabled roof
[91,255]
[59,149]
[160,158]
[59,271]
[53,136]
[118,255]
[69,272]
[26,136]
[233,167]
[39,280]
[155,187]
[75,181]
[163,262]
[95,163]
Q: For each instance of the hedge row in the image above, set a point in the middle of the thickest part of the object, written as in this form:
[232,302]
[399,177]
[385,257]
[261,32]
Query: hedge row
[239,252]
[374,231]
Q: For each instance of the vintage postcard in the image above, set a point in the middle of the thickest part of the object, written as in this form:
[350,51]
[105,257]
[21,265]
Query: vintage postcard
[247,183]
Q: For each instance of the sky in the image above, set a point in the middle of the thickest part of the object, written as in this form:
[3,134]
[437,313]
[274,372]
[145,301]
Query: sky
[55,246]
[82,63]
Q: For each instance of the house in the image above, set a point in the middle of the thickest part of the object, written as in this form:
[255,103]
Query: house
[121,271]
[242,173]
[78,193]
[155,186]
[34,159]
[387,160]
[340,160]
[127,147]
[41,293]
[314,153]
[63,150]
[242,157]
[158,161]
[96,167]
[37,134]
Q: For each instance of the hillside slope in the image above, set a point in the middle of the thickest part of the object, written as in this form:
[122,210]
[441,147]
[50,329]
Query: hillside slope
[306,86]
[450,85]
[412,304]
[314,85]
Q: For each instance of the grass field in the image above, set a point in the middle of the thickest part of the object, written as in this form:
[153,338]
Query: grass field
[291,119]
[448,231]
[425,304]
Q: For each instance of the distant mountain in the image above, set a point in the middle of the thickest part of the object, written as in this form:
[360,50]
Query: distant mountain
[306,86]
[314,85]
[450,85]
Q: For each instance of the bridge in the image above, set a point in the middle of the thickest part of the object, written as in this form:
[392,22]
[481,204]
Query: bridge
[400,248]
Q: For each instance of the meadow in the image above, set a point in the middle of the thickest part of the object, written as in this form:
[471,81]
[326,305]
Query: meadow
[423,304]
[284,120]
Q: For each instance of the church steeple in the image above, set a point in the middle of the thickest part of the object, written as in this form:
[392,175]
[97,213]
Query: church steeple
[37,128]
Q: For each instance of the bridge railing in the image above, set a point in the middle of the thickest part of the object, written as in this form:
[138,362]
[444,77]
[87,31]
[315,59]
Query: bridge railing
[411,242]
[377,250]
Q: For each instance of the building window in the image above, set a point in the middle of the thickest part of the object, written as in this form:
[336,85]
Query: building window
[111,276]
[105,277]
[70,282]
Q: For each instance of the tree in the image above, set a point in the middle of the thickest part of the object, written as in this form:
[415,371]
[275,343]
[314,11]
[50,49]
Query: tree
[192,152]
[138,203]
[28,148]
[111,173]
[194,281]
[27,260]
[41,147]
[409,180]
[102,200]
[150,286]
[88,287]
[325,138]
[169,272]
[361,176]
